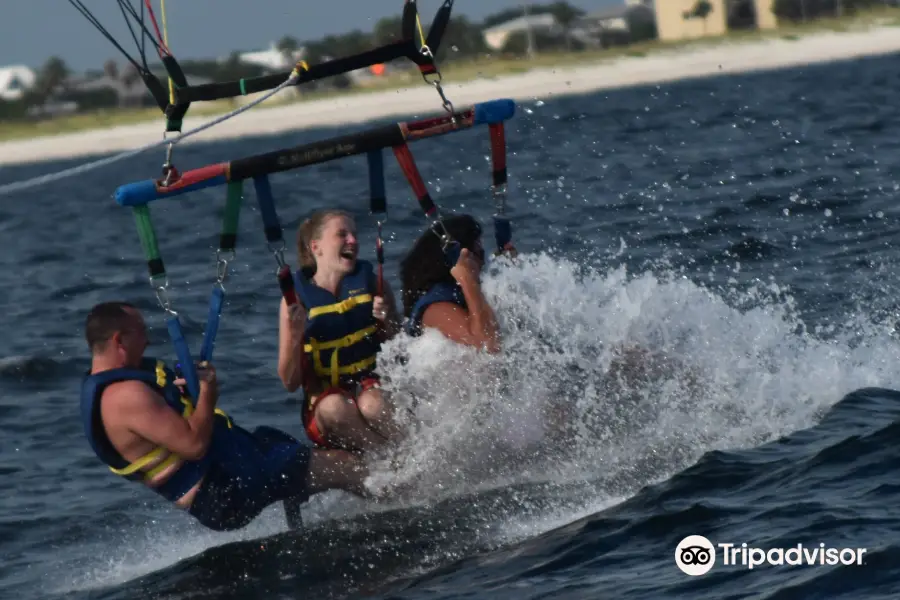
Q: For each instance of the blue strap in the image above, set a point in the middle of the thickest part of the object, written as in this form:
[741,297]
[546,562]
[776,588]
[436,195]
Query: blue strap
[451,253]
[267,208]
[502,232]
[212,323]
[183,352]
[378,197]
[449,246]
[377,204]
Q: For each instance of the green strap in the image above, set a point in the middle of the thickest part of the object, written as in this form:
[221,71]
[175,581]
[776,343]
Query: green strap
[174,125]
[148,240]
[228,240]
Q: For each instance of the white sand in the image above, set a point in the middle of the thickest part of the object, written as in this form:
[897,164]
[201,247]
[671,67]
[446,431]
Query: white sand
[422,99]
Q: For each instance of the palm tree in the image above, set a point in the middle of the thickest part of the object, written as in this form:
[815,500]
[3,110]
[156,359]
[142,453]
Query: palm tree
[50,77]
[565,15]
[701,10]
[529,34]
[288,47]
[388,30]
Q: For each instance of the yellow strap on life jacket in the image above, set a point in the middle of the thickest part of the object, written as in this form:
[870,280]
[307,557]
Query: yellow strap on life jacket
[344,342]
[340,307]
[160,374]
[141,462]
[154,454]
[350,369]
[334,370]
[189,410]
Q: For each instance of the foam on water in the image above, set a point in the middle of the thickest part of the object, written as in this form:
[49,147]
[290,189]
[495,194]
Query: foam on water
[127,554]
[563,411]
[717,376]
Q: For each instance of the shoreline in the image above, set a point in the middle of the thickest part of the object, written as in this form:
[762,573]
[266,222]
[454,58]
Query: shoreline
[417,101]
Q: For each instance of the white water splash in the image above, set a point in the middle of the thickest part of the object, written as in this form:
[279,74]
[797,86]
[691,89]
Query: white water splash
[560,405]
[565,402]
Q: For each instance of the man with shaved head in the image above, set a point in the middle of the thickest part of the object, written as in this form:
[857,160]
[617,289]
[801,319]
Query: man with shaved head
[140,423]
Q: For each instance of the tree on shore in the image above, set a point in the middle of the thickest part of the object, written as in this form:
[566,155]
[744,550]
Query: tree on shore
[803,10]
[701,10]
[50,78]
[288,47]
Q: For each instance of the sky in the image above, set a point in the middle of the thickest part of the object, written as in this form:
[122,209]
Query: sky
[31,31]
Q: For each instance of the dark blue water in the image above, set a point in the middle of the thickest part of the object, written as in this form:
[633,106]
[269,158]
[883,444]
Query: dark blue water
[743,227]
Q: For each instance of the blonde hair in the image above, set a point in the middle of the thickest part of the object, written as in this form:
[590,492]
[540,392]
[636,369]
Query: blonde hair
[311,229]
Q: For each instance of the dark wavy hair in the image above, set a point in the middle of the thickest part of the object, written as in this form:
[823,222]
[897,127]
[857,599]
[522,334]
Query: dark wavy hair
[424,264]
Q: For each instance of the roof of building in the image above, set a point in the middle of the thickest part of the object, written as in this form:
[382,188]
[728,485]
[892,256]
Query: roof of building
[24,74]
[542,20]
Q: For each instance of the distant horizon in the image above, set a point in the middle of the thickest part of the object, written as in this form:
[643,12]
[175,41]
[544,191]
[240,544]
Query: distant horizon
[227,26]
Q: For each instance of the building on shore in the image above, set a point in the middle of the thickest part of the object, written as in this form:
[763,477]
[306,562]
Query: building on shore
[541,24]
[15,80]
[689,19]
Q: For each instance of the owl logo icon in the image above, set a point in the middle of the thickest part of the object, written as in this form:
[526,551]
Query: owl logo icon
[695,555]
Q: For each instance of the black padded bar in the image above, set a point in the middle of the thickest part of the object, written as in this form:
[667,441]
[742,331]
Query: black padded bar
[231,89]
[405,48]
[316,152]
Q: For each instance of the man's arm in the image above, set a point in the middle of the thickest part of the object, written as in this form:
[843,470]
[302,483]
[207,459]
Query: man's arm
[143,411]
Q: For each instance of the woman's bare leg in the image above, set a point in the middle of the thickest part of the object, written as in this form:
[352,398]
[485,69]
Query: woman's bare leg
[341,422]
[378,413]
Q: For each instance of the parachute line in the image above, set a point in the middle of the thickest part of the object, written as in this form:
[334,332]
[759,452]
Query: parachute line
[37,181]
[176,102]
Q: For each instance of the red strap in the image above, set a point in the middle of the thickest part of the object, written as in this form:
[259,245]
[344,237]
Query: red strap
[163,49]
[498,152]
[380,280]
[379,254]
[313,433]
[286,283]
[411,171]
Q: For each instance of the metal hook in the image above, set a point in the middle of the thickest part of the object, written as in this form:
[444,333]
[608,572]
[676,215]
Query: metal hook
[222,265]
[162,294]
[499,193]
[278,253]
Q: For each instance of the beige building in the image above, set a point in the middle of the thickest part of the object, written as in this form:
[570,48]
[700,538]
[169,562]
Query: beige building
[497,36]
[674,19]
[765,18]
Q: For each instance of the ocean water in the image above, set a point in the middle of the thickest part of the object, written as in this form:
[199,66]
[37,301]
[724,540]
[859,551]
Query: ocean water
[700,339]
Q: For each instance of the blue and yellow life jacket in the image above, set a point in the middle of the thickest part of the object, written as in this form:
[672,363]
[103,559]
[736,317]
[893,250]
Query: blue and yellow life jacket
[155,374]
[439,292]
[340,336]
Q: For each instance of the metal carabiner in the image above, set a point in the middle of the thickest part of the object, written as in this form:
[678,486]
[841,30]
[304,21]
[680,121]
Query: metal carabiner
[222,266]
[445,102]
[499,193]
[162,294]
[167,166]
[278,253]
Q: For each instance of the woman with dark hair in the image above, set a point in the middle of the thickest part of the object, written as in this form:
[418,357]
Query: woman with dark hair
[446,298]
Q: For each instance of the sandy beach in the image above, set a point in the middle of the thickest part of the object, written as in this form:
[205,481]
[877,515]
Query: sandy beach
[421,100]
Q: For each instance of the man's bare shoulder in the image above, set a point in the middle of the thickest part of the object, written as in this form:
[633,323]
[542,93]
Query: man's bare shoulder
[130,393]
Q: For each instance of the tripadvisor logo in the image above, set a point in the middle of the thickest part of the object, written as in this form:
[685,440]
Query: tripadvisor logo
[695,555]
